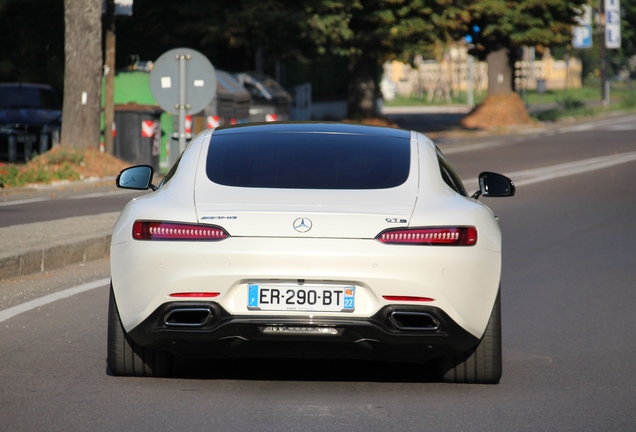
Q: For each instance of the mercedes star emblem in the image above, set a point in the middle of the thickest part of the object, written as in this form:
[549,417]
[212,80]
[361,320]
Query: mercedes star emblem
[302,225]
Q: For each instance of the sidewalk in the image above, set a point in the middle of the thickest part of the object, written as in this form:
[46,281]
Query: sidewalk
[43,246]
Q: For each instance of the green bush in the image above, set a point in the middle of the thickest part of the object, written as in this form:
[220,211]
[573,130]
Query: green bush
[550,115]
[628,99]
[568,102]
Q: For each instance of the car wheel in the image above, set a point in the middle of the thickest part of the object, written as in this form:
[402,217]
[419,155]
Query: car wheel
[481,364]
[125,357]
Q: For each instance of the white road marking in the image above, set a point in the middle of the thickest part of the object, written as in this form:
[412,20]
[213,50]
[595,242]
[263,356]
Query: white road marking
[24,201]
[75,197]
[610,125]
[470,147]
[42,301]
[537,175]
[102,194]
[620,127]
[567,169]
[604,124]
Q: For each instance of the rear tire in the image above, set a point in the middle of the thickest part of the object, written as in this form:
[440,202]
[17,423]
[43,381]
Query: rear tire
[481,364]
[127,358]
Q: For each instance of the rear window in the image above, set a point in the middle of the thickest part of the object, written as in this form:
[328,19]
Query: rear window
[308,160]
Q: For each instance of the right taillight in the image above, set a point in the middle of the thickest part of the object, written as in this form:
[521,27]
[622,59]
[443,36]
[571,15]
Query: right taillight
[436,236]
[153,230]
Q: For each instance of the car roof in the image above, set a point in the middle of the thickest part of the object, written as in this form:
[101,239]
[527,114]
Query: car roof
[313,127]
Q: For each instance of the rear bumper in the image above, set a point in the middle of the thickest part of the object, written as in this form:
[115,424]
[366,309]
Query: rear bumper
[383,336]
[462,281]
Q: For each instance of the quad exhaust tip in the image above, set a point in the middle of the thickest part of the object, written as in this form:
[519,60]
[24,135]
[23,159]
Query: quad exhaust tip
[418,321]
[188,317]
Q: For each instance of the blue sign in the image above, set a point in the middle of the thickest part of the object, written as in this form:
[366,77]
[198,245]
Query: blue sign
[582,37]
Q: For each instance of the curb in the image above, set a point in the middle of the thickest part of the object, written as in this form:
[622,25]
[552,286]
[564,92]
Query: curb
[54,256]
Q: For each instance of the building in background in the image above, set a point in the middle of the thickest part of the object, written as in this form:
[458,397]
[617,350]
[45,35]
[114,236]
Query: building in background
[440,81]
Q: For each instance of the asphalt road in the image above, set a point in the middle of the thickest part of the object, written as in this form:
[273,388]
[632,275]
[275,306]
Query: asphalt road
[47,204]
[568,304]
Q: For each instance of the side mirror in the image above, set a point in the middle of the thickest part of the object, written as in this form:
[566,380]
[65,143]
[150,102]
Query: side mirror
[138,177]
[494,185]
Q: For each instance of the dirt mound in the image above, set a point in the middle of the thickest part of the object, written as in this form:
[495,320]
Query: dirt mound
[374,121]
[497,111]
[82,162]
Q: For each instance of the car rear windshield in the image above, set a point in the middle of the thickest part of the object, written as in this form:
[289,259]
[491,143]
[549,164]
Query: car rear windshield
[308,160]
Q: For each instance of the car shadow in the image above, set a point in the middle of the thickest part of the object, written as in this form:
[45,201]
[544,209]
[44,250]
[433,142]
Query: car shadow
[303,370]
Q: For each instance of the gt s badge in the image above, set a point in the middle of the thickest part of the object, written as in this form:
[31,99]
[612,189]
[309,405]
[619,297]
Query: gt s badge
[395,220]
[219,217]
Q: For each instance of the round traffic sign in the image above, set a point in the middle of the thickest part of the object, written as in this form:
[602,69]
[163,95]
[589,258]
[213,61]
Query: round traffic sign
[183,77]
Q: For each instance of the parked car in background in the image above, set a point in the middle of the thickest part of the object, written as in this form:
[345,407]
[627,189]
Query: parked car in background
[231,103]
[270,101]
[30,120]
[310,240]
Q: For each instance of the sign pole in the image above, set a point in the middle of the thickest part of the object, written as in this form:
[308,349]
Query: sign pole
[612,32]
[603,55]
[182,100]
[183,82]
[469,90]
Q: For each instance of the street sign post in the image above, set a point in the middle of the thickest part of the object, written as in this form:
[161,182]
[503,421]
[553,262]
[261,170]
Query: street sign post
[183,81]
[583,31]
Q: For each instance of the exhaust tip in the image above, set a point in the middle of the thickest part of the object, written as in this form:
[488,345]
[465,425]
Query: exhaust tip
[418,321]
[187,317]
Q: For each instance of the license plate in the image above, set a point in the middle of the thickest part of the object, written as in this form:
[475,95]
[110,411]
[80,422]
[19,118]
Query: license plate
[318,298]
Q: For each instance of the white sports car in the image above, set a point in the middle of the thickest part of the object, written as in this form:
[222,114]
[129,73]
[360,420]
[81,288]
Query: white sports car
[320,240]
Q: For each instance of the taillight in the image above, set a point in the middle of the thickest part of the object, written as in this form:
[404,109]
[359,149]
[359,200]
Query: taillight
[146,230]
[438,236]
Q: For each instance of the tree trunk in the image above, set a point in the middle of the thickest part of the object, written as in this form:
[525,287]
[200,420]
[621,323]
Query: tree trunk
[500,73]
[361,88]
[82,73]
[109,72]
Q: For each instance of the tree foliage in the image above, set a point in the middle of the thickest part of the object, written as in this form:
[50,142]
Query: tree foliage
[512,24]
[32,48]
[625,57]
[230,32]
[392,29]
[507,25]
[304,34]
[367,33]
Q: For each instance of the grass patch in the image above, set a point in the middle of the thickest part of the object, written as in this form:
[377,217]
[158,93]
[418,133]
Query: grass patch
[68,156]
[556,114]
[555,96]
[12,175]
[414,100]
[628,99]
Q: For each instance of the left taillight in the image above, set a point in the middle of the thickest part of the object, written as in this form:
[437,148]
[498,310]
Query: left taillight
[153,230]
[437,236]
